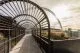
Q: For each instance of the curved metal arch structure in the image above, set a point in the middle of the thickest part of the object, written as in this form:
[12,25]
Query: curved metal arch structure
[30,21]
[26,20]
[53,15]
[25,15]
[37,10]
[34,26]
[17,9]
[27,23]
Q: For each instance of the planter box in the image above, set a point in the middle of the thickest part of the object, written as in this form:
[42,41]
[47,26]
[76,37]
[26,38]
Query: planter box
[66,46]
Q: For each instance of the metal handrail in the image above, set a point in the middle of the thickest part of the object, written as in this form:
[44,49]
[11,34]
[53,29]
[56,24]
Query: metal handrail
[11,39]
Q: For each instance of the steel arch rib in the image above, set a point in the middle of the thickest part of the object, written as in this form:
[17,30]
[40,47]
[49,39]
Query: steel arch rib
[38,8]
[25,20]
[53,14]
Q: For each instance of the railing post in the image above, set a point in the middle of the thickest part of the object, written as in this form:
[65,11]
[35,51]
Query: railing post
[15,36]
[8,41]
[4,45]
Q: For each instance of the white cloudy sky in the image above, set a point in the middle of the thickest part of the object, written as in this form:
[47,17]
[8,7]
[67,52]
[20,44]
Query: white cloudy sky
[68,11]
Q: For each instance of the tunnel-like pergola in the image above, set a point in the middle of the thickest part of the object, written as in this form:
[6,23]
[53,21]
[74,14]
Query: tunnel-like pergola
[23,12]
[17,16]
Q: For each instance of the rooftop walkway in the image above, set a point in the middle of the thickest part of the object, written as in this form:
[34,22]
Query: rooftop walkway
[26,45]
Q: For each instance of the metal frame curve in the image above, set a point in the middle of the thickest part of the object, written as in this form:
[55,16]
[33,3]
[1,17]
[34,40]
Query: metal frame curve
[53,15]
[3,2]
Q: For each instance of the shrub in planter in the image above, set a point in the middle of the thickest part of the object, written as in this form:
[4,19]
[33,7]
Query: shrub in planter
[59,36]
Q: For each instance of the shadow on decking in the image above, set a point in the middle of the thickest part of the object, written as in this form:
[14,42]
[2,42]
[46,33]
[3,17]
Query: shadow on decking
[29,46]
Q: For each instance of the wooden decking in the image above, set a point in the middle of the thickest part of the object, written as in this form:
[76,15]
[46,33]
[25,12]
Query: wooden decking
[26,45]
